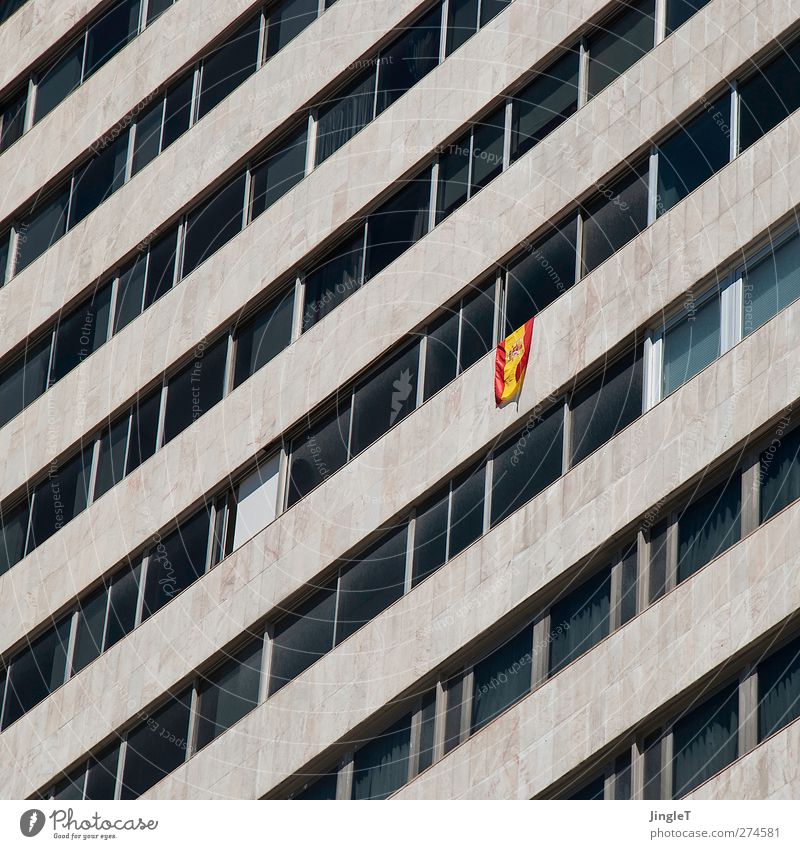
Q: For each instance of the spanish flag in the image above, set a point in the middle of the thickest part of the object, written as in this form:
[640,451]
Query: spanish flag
[511,362]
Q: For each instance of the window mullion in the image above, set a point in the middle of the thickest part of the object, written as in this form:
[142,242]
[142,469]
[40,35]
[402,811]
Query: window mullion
[344,778]
[748,710]
[266,664]
[123,750]
[653,200]
[734,120]
[73,637]
[667,752]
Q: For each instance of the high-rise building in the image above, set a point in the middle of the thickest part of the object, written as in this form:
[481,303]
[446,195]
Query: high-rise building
[264,532]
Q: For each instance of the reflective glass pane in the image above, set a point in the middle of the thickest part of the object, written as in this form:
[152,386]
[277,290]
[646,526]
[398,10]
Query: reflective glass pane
[229,65]
[12,119]
[24,380]
[213,224]
[263,337]
[441,353]
[89,633]
[61,78]
[501,679]
[779,690]
[771,284]
[691,344]
[466,510]
[779,476]
[333,280]
[453,181]
[44,226]
[81,333]
[111,461]
[477,326]
[343,115]
[177,110]
[679,11]
[147,136]
[487,149]
[110,34]
[381,767]
[144,430]
[462,22]
[287,20]
[281,170]
[122,605]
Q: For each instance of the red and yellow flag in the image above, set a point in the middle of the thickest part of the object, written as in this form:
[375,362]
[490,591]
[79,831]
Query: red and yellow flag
[511,362]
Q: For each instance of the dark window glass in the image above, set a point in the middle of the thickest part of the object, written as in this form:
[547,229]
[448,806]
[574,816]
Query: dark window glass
[89,633]
[705,741]
[177,111]
[591,792]
[441,354]
[501,679]
[213,224]
[61,78]
[622,777]
[101,778]
[526,464]
[333,280]
[490,8]
[611,221]
[487,149]
[144,430]
[24,380]
[629,581]
[427,730]
[13,530]
[466,511]
[693,154]
[453,713]
[579,621]
[147,137]
[72,786]
[60,498]
[691,344]
[322,788]
[81,333]
[44,226]
[176,562]
[5,250]
[36,672]
[229,65]
[771,284]
[122,605]
[709,526]
[536,279]
[288,20]
[228,693]
[620,43]
[769,96]
[780,474]
[319,452]
[8,7]
[397,224]
[156,8]
[605,405]
[302,637]
[384,398]
[544,104]
[12,119]
[110,34]
[477,326]
[679,11]
[779,690]
[281,170]
[453,181]
[371,583]
[341,117]
[263,337]
[161,267]
[111,461]
[658,560]
[430,536]
[130,292]
[156,747]
[652,767]
[381,767]
[409,59]
[196,389]
[462,22]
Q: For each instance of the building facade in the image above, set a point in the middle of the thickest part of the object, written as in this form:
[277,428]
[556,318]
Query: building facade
[265,533]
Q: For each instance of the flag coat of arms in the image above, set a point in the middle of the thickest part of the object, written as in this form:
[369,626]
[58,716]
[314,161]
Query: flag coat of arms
[510,363]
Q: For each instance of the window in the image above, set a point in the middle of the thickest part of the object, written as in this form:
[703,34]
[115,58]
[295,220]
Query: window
[44,225]
[540,275]
[195,389]
[705,741]
[477,326]
[778,690]
[144,431]
[409,59]
[501,679]
[779,476]
[318,453]
[591,792]
[263,337]
[322,788]
[288,20]
[177,110]
[24,380]
[281,170]
[336,277]
[176,562]
[653,775]
[487,149]
[382,766]
[619,44]
[228,693]
[345,114]
[709,526]
[427,730]
[110,34]
[5,251]
[605,405]
[770,284]
[371,582]
[8,7]
[768,97]
[658,560]
[111,461]
[12,535]
[302,637]
[453,183]
[384,398]
[453,719]
[430,536]
[397,224]
[614,218]
[36,672]
[579,621]
[102,175]
[229,65]
[123,601]
[256,501]
[214,223]
[691,343]
[12,118]
[629,582]
[59,80]
[526,464]
[462,22]
[81,333]
[89,631]
[466,509]
[679,11]
[156,747]
[101,774]
[490,8]
[544,104]
[693,154]
[441,353]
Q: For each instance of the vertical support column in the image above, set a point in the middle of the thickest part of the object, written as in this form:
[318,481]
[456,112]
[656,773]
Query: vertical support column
[672,555]
[311,145]
[266,662]
[441,714]
[643,569]
[660,21]
[748,710]
[653,201]
[583,74]
[509,111]
[667,751]
[541,649]
[751,508]
[344,778]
